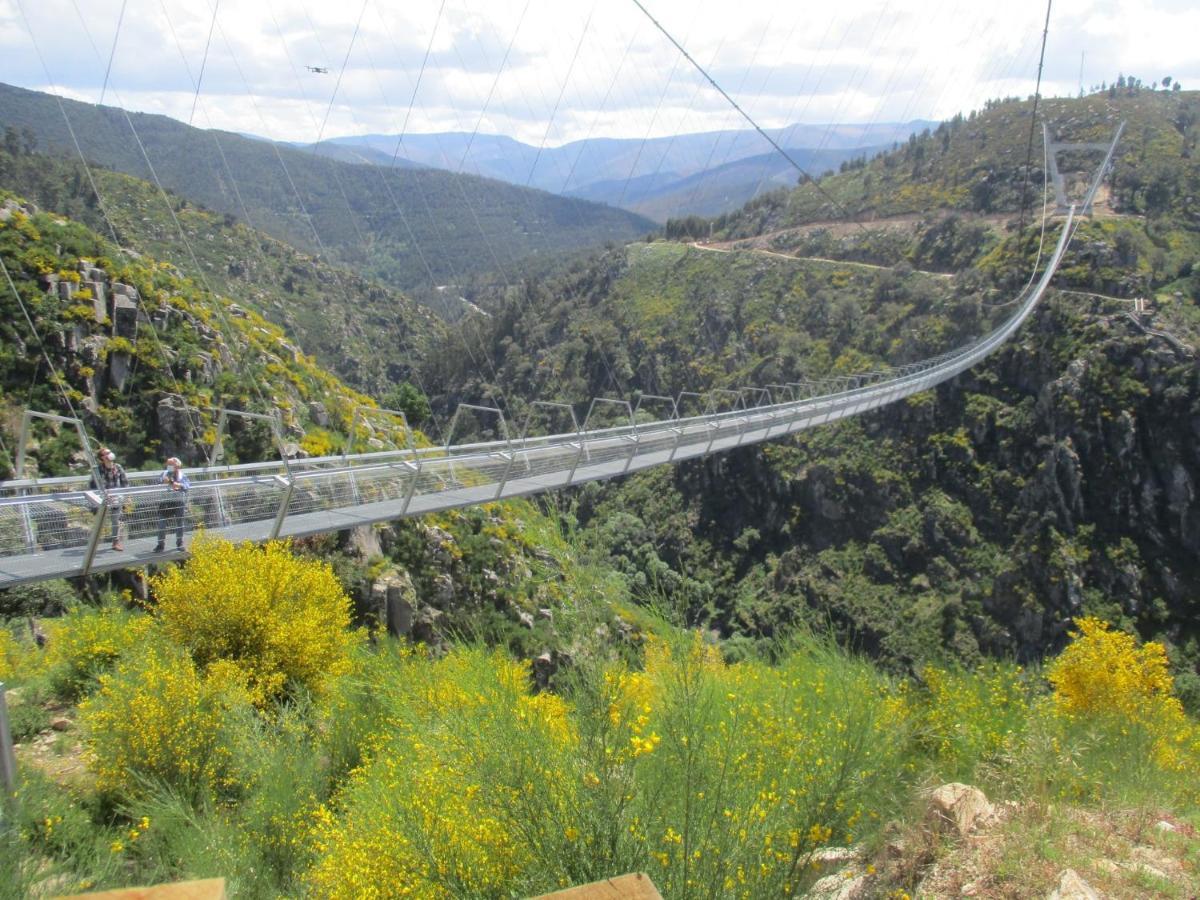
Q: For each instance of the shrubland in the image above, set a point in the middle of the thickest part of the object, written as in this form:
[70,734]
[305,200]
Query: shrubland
[396,770]
[1053,481]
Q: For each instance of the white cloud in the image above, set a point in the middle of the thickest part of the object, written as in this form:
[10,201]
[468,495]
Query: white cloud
[853,61]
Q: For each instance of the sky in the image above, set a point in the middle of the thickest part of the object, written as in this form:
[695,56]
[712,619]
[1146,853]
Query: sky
[547,72]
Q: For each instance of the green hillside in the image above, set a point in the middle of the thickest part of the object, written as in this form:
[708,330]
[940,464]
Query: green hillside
[977,164]
[406,226]
[745,676]
[132,372]
[1057,478]
[368,334]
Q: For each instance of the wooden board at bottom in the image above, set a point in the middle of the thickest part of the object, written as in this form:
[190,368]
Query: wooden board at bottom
[206,889]
[637,886]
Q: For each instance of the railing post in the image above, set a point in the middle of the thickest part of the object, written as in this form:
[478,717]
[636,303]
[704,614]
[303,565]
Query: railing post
[637,443]
[8,760]
[675,447]
[290,486]
[412,487]
[578,457]
[512,457]
[27,525]
[101,501]
[222,516]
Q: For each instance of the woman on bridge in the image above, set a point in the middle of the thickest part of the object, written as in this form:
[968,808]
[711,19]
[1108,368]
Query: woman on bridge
[174,505]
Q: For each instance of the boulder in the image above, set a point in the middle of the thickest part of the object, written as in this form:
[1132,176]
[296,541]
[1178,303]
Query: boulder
[362,542]
[125,290]
[394,600]
[174,427]
[959,807]
[826,857]
[99,300]
[425,626]
[118,369]
[318,413]
[124,317]
[1072,887]
[841,886]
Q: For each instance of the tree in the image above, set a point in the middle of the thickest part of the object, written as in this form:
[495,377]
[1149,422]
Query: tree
[409,400]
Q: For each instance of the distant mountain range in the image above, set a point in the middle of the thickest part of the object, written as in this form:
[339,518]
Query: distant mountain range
[413,226]
[706,173]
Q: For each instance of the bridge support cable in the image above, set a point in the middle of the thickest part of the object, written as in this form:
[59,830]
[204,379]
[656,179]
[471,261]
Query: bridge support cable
[1033,118]
[753,124]
[199,271]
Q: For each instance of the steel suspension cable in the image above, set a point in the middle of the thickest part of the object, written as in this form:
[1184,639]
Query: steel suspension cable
[111,53]
[58,380]
[457,320]
[203,59]
[744,114]
[87,168]
[341,73]
[219,306]
[1033,114]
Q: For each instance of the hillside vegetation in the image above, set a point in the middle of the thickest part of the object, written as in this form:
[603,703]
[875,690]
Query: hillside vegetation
[746,676]
[1056,479]
[199,737]
[144,354]
[413,227]
[367,333]
[977,164]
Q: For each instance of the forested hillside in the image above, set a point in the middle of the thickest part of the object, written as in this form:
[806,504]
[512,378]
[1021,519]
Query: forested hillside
[1059,478]
[412,227]
[976,164]
[369,334]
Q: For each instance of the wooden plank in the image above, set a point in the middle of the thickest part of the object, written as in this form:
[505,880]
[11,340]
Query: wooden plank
[637,886]
[205,889]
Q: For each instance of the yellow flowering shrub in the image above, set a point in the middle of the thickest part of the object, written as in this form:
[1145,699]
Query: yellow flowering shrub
[1104,671]
[282,619]
[8,654]
[155,717]
[464,792]
[87,642]
[1121,695]
[717,779]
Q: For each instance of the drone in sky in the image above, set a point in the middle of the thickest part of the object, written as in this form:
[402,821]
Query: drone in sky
[318,70]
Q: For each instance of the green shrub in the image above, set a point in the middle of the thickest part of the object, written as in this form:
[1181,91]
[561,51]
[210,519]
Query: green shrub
[86,642]
[156,719]
[42,598]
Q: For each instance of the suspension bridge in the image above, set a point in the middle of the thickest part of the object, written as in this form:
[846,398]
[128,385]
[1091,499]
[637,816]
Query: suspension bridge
[53,528]
[57,527]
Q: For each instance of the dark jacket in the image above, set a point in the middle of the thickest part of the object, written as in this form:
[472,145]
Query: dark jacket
[111,477]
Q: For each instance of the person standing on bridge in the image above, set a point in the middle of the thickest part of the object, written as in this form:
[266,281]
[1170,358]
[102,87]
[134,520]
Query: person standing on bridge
[174,505]
[111,476]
